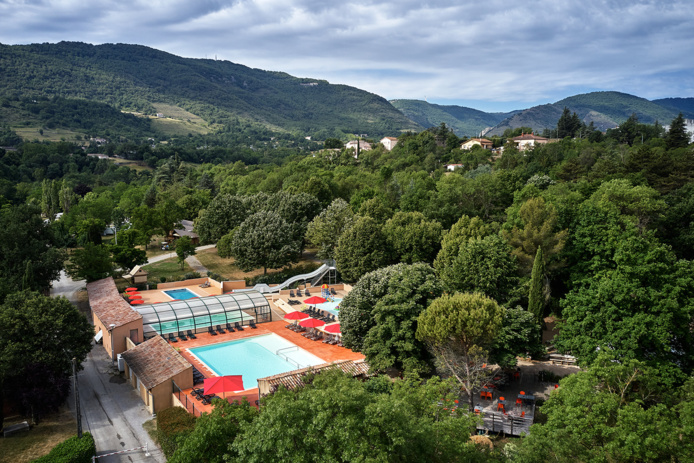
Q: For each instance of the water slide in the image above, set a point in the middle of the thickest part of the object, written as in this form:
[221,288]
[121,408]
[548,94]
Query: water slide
[314,276]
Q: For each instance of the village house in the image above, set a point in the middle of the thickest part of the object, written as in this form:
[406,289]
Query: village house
[483,142]
[389,142]
[529,141]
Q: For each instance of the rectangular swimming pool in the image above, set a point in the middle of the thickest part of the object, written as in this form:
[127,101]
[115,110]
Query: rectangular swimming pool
[332,307]
[255,357]
[181,294]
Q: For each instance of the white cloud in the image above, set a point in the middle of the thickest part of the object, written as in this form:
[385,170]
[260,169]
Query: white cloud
[483,50]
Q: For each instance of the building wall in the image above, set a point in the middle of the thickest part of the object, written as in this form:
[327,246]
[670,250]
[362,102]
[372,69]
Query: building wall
[162,394]
[118,335]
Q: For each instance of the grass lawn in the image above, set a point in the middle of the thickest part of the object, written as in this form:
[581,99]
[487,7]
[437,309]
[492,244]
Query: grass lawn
[26,446]
[154,248]
[228,269]
[166,268]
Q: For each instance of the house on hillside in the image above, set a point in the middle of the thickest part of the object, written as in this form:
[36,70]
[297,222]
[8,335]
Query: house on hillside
[483,142]
[529,141]
[187,230]
[363,146]
[453,167]
[389,142]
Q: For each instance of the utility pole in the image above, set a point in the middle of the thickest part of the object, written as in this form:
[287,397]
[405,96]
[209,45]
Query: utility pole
[78,414]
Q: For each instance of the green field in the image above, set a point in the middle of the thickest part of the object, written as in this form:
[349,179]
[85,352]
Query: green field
[32,133]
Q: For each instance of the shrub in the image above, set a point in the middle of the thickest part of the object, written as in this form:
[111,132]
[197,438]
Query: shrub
[162,279]
[191,275]
[73,450]
[173,425]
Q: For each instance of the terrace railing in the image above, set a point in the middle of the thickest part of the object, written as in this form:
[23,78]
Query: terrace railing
[186,400]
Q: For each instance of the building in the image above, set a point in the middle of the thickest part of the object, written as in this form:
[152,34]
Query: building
[363,145]
[152,367]
[114,319]
[389,142]
[137,275]
[187,230]
[483,142]
[453,167]
[529,141]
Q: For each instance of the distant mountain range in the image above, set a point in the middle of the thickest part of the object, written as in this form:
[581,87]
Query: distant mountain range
[69,84]
[137,78]
[605,109]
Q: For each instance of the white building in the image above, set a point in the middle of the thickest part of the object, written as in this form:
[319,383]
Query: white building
[389,142]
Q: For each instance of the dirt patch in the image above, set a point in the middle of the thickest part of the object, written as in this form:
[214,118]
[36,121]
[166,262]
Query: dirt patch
[27,446]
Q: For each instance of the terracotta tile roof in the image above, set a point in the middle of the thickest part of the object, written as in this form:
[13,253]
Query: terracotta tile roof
[108,305]
[528,136]
[390,138]
[294,379]
[155,361]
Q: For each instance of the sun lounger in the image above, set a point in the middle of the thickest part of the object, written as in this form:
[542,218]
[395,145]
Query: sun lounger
[333,292]
[298,293]
[191,335]
[182,336]
[328,339]
[230,328]
[172,338]
[306,293]
[291,294]
[211,331]
[252,324]
[220,330]
[238,326]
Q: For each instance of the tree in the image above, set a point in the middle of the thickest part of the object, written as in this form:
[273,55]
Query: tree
[460,233]
[568,125]
[210,441]
[127,257]
[459,328]
[264,240]
[519,335]
[412,237]
[390,341]
[538,293]
[337,418]
[184,248]
[483,265]
[26,241]
[376,209]
[677,136]
[333,143]
[325,229]
[40,334]
[92,262]
[224,213]
[361,249]
[539,229]
[615,411]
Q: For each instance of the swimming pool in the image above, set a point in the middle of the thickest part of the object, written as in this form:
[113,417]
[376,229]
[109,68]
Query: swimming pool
[331,306]
[181,294]
[255,357]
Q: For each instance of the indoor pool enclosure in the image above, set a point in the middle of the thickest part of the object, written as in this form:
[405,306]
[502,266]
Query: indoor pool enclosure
[200,313]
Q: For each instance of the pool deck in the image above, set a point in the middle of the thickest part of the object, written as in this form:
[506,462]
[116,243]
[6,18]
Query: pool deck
[154,296]
[325,352]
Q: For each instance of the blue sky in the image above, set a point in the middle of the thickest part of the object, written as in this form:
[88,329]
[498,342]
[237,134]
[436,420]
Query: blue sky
[493,55]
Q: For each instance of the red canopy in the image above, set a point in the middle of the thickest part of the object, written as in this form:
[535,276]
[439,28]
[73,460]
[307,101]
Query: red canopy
[296,315]
[314,300]
[334,328]
[311,323]
[135,296]
[137,301]
[223,384]
[132,288]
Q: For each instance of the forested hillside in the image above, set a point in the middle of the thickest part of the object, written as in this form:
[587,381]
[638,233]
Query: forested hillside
[135,78]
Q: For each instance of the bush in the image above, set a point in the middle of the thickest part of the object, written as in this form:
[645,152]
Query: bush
[191,275]
[215,276]
[162,279]
[173,425]
[73,450]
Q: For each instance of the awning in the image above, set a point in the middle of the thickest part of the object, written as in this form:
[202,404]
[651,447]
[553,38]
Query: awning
[97,338]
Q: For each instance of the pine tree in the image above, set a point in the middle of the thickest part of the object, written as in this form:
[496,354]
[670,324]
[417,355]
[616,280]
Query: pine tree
[677,136]
[536,298]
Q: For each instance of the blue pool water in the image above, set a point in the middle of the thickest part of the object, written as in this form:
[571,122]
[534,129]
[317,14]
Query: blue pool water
[331,306]
[255,357]
[181,294]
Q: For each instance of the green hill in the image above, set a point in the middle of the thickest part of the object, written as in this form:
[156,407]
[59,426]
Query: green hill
[605,109]
[463,121]
[136,78]
[685,105]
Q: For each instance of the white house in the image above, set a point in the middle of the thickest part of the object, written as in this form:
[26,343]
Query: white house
[483,142]
[528,141]
[454,166]
[389,142]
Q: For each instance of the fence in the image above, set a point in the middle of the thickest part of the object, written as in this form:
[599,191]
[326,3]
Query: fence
[186,401]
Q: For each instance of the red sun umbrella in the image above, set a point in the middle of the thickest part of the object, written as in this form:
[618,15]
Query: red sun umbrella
[137,301]
[135,296]
[314,300]
[223,384]
[311,323]
[296,315]
[334,328]
[132,288]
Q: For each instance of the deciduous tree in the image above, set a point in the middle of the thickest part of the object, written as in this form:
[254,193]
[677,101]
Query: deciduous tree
[325,229]
[91,262]
[412,237]
[361,248]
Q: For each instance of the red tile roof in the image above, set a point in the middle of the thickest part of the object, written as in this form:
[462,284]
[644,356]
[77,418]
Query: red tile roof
[293,379]
[528,136]
[108,305]
[155,361]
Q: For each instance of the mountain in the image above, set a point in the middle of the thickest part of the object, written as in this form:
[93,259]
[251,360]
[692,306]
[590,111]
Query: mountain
[685,105]
[137,78]
[463,121]
[605,109]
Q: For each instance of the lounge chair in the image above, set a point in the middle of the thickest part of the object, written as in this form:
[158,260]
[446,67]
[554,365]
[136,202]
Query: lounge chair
[191,335]
[333,292]
[230,328]
[298,293]
[238,326]
[220,330]
[182,336]
[328,339]
[291,294]
[172,338]
[252,324]
[306,293]
[211,331]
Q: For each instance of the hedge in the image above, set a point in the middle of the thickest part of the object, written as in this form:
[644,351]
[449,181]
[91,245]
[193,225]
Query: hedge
[173,424]
[73,450]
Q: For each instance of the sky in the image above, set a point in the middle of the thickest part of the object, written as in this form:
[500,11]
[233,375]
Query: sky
[492,55]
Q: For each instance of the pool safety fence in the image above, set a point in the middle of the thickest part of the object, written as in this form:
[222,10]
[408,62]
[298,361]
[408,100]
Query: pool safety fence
[186,400]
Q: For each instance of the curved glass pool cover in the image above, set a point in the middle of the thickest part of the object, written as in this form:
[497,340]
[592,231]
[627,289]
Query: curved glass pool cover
[197,314]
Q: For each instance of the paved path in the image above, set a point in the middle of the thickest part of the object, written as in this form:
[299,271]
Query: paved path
[196,265]
[171,255]
[65,286]
[112,412]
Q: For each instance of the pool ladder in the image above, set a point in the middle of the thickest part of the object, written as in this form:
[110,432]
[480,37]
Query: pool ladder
[281,354]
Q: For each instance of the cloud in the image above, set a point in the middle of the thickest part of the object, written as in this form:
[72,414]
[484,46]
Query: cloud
[495,50]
